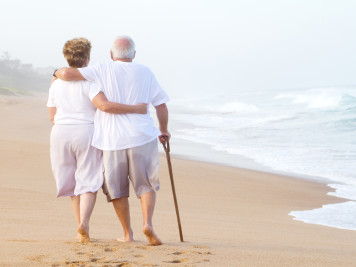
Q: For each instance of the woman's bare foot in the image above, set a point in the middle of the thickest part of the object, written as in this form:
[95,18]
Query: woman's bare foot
[128,237]
[152,238]
[124,240]
[84,234]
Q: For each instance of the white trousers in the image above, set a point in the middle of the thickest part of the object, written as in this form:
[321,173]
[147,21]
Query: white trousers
[76,165]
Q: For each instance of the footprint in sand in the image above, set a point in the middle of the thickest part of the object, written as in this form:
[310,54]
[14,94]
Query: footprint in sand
[177,261]
[118,264]
[139,256]
[178,253]
[200,246]
[75,263]
[37,258]
[202,252]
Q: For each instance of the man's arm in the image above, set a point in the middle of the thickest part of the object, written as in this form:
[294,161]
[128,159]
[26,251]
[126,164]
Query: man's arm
[51,113]
[69,74]
[53,79]
[102,103]
[162,116]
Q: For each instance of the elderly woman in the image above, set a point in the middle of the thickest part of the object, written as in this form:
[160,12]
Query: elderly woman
[76,165]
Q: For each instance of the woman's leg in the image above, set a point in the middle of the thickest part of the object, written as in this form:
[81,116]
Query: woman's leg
[87,202]
[88,176]
[75,201]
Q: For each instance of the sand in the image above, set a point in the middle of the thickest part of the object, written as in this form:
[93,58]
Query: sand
[230,216]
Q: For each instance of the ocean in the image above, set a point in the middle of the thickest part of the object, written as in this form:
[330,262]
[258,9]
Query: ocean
[307,133]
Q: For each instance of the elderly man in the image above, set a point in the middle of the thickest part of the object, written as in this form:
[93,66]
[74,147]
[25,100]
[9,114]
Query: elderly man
[128,141]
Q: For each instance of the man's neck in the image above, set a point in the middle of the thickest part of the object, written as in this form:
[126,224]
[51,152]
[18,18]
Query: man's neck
[123,59]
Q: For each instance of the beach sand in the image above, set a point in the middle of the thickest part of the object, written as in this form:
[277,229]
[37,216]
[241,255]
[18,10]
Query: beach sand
[230,216]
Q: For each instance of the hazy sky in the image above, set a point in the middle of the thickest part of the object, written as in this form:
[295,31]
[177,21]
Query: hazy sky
[197,46]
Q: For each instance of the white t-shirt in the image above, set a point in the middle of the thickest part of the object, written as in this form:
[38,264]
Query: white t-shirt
[125,83]
[73,101]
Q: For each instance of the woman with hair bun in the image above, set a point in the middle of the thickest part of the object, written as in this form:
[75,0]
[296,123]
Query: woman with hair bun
[76,165]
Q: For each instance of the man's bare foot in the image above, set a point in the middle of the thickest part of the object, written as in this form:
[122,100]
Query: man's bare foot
[152,238]
[84,234]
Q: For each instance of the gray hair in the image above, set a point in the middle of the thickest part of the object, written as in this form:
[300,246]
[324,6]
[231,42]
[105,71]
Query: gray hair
[124,51]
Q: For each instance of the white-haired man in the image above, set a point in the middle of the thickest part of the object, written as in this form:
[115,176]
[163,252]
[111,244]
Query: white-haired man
[129,141]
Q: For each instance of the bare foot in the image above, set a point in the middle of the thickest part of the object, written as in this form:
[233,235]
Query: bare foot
[84,234]
[152,238]
[124,240]
[127,237]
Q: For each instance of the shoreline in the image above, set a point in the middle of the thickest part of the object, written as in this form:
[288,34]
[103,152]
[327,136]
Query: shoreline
[296,214]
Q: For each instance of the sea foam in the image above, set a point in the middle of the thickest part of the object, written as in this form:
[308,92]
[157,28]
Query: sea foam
[341,215]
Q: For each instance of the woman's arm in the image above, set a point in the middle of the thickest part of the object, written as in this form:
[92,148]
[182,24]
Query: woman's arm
[52,112]
[102,103]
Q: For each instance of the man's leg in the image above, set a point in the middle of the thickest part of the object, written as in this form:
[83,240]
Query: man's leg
[122,209]
[87,202]
[148,201]
[143,172]
[116,188]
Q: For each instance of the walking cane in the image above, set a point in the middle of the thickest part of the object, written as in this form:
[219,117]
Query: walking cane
[167,150]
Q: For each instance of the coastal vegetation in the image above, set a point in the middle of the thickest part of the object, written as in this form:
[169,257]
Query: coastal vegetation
[17,78]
